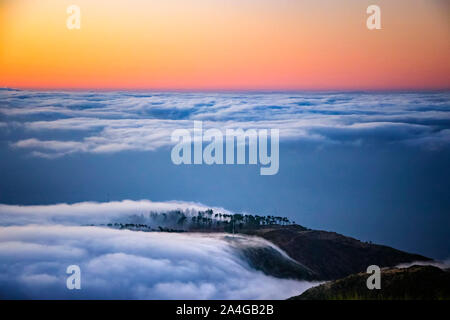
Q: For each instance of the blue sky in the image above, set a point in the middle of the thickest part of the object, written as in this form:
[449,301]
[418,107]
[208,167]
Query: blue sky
[369,165]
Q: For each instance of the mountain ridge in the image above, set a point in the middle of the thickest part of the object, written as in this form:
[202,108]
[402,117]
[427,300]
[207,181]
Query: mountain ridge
[329,254]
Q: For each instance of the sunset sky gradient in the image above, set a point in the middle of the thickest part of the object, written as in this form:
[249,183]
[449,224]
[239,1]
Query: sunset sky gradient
[225,45]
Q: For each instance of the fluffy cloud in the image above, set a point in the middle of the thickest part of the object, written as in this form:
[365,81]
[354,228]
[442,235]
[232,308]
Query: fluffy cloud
[38,243]
[108,122]
[445,264]
[92,212]
[122,264]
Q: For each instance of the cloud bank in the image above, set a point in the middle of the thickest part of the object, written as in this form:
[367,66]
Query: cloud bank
[93,212]
[109,122]
[122,264]
[38,243]
[445,264]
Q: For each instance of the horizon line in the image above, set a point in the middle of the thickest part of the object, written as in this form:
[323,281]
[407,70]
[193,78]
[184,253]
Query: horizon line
[230,90]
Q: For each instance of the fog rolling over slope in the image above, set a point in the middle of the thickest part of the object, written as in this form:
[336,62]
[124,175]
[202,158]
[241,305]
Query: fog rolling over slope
[123,257]
[123,264]
[41,241]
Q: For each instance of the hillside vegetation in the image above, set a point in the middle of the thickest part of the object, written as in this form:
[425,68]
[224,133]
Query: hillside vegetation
[413,283]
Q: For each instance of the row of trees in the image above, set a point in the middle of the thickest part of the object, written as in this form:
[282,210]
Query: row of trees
[177,221]
[209,219]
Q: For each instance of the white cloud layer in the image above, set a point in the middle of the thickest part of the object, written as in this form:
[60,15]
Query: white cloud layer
[109,122]
[445,264]
[38,243]
[92,212]
[122,264]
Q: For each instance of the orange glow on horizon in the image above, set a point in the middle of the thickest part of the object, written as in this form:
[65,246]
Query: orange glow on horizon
[225,44]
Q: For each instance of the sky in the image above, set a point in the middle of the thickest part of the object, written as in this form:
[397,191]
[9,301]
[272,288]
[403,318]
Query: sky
[225,45]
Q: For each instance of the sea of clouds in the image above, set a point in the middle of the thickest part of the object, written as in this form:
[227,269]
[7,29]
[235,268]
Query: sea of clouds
[38,243]
[109,122]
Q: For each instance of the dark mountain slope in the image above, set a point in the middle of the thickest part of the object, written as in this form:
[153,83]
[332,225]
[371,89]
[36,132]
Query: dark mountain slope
[413,283]
[270,261]
[331,255]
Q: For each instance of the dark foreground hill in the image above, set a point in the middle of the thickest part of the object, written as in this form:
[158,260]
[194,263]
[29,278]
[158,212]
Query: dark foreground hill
[331,255]
[413,283]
